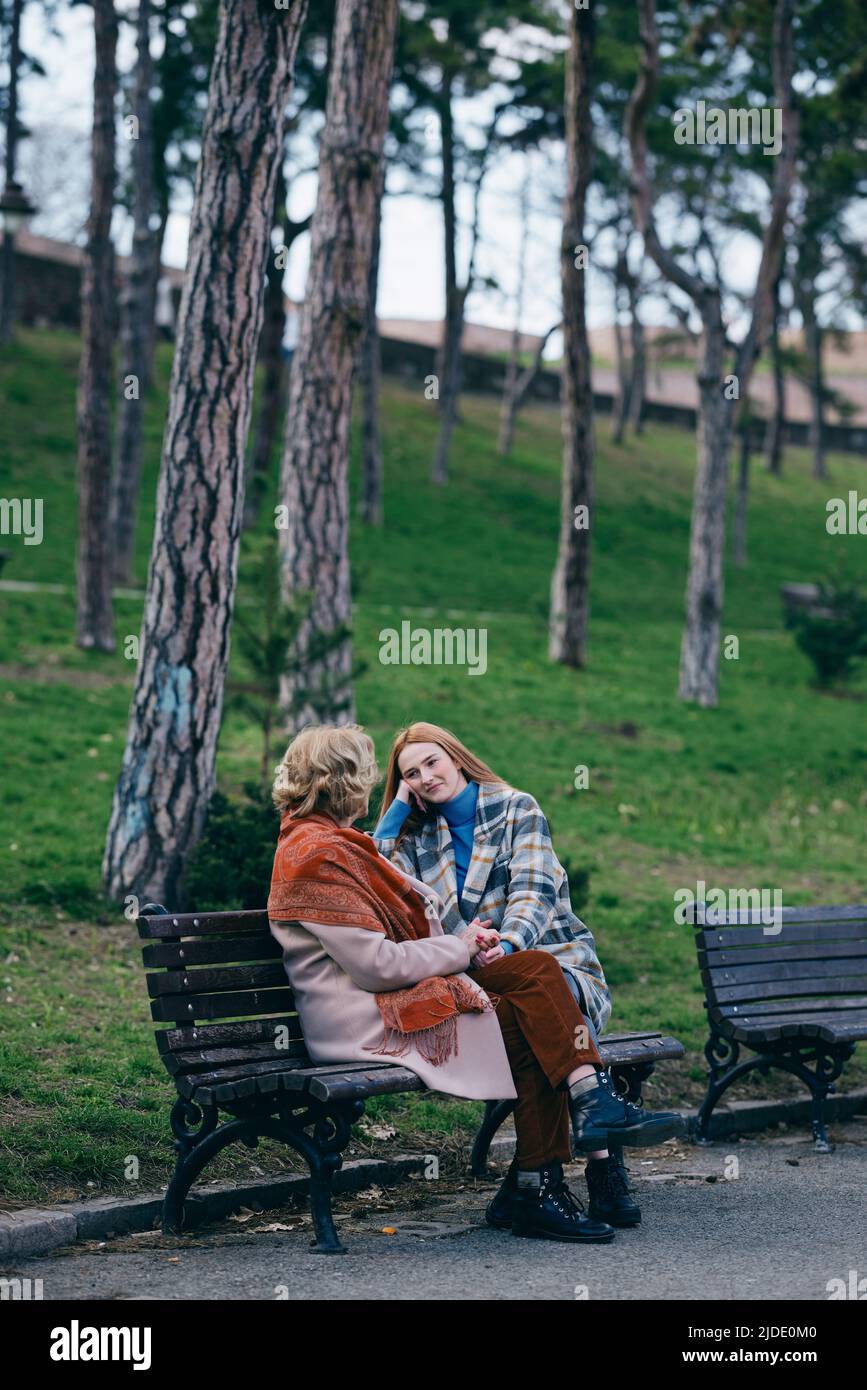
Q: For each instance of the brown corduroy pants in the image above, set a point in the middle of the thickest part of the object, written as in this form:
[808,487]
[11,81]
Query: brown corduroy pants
[538,1018]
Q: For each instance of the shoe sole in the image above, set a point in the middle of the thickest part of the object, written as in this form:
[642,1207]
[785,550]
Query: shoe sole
[571,1240]
[650,1132]
[613,1220]
[636,1137]
[591,1140]
[594,1216]
[498,1225]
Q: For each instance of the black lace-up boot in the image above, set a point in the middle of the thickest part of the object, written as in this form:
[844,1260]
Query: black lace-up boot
[551,1211]
[601,1119]
[610,1195]
[499,1210]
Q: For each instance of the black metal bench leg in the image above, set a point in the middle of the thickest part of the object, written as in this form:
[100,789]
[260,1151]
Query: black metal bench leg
[722,1053]
[820,1134]
[324,1154]
[495,1113]
[702,1124]
[327,1240]
[829,1067]
[195,1149]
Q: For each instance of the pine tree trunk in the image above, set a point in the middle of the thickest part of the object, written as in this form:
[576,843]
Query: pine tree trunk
[571,578]
[168,771]
[742,500]
[515,396]
[7,250]
[94,625]
[777,416]
[450,385]
[509,404]
[314,542]
[370,501]
[699,654]
[448,358]
[813,345]
[154,272]
[126,481]
[638,378]
[620,404]
[274,374]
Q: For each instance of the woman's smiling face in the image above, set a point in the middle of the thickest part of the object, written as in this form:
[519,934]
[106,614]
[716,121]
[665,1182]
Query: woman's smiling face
[428,770]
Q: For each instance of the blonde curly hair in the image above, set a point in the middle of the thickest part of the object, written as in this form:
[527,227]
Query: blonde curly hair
[326,768]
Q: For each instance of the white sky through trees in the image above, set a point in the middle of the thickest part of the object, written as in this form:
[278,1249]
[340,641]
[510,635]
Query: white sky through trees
[411,274]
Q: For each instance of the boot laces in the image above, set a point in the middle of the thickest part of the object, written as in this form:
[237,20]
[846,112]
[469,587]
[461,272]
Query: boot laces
[562,1196]
[618,1184]
[632,1107]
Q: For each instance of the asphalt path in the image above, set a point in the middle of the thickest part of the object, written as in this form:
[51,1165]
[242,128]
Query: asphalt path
[766,1219]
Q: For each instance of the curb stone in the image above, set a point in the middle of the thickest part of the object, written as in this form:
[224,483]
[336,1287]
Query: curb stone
[32,1231]
[35,1230]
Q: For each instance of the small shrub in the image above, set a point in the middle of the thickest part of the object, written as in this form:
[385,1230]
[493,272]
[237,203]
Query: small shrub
[833,634]
[230,868]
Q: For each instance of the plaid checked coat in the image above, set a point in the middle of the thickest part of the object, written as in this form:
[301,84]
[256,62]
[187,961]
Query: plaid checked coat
[515,879]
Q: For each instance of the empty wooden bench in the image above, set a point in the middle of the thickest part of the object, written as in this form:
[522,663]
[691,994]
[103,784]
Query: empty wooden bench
[233,1043]
[796,997]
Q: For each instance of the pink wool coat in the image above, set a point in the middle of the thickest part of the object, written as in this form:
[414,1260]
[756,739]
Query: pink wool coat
[335,971]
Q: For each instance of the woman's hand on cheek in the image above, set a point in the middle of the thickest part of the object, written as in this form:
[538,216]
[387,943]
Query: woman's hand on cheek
[405,793]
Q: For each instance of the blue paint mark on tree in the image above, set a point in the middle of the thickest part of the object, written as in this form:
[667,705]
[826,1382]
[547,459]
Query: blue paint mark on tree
[175,684]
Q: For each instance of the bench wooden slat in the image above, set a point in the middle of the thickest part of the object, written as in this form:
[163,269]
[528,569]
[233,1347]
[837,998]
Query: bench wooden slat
[789,916]
[210,951]
[203,924]
[781,972]
[224,1075]
[761,955]
[378,1079]
[250,1030]
[849,930]
[345,1081]
[629,1037]
[178,1009]
[830,1028]
[620,1054]
[732,994]
[778,1006]
[177,1063]
[211,981]
[357,1085]
[224,1092]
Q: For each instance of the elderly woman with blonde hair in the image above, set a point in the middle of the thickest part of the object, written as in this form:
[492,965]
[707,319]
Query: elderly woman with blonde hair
[375,977]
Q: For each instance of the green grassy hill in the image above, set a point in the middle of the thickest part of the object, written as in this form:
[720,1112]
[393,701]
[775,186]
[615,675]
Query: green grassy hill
[768,790]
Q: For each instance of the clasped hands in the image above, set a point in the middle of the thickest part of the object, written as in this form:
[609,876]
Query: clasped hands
[490,949]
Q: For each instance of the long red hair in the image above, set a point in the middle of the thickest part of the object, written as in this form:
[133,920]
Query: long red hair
[473,768]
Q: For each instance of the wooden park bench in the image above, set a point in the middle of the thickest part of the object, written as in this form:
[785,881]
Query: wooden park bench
[234,1044]
[796,997]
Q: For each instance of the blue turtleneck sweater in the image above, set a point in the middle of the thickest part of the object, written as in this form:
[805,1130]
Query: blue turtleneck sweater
[460,816]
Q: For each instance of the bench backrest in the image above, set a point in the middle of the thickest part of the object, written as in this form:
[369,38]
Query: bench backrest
[217,965]
[809,959]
